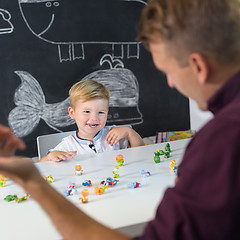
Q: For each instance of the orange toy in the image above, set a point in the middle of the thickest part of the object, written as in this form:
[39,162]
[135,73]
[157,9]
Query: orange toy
[119,160]
[2,181]
[98,190]
[78,170]
[172,164]
[85,194]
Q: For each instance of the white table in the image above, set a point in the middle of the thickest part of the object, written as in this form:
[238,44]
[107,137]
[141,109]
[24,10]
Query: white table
[118,208]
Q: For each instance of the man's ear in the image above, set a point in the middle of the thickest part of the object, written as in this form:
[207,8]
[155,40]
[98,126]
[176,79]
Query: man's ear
[200,67]
[71,112]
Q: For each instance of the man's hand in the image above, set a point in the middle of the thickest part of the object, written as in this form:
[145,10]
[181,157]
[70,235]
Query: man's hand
[9,142]
[21,170]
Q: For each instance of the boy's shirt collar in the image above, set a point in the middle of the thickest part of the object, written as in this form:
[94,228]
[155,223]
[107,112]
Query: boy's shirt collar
[86,141]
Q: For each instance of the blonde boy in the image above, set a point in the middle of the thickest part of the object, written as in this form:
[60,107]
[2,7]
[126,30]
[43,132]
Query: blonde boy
[89,104]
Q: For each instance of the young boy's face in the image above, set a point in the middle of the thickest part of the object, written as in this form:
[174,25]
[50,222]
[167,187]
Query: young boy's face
[90,117]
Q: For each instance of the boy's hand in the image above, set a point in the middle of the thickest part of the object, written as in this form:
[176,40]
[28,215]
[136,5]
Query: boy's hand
[116,134]
[9,142]
[57,156]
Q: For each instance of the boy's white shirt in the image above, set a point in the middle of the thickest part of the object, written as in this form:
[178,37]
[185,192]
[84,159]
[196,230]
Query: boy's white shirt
[74,143]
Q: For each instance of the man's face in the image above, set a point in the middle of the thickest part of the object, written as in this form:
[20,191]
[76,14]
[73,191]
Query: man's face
[181,78]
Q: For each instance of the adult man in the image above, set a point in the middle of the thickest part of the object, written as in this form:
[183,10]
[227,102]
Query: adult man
[196,43]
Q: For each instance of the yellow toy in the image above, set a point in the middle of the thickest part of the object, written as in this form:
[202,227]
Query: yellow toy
[49,179]
[2,181]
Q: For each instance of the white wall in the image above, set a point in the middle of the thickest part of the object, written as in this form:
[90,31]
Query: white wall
[198,117]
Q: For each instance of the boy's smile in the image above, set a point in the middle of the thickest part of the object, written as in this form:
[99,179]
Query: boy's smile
[90,117]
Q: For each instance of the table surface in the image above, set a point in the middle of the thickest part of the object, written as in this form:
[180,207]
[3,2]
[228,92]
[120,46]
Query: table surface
[118,207]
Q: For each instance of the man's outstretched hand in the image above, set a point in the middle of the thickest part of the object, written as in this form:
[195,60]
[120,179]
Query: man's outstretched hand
[21,170]
[9,142]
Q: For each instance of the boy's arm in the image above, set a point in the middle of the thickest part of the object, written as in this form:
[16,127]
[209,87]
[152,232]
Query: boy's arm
[118,133]
[57,156]
[70,221]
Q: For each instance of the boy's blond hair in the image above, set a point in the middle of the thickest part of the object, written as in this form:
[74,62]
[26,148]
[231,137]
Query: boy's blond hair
[87,90]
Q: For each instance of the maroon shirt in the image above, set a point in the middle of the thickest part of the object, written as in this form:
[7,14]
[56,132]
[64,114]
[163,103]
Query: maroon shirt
[205,203]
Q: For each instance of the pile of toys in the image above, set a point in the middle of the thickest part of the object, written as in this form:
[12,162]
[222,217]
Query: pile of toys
[10,198]
[165,153]
[110,182]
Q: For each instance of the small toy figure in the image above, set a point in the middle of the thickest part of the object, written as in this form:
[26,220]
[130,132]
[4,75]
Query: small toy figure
[3,181]
[173,165]
[20,199]
[104,185]
[167,147]
[99,190]
[10,198]
[71,189]
[84,197]
[109,182]
[134,185]
[161,152]
[49,179]
[120,160]
[166,154]
[145,173]
[87,183]
[157,157]
[115,172]
[78,170]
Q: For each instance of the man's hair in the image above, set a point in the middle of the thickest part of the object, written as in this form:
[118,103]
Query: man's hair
[209,27]
[87,90]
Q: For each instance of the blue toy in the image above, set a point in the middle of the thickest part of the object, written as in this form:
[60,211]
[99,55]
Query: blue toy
[145,173]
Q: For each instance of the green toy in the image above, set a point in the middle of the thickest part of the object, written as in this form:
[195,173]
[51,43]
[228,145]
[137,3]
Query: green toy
[157,156]
[166,154]
[10,198]
[14,197]
[161,152]
[167,147]
[115,172]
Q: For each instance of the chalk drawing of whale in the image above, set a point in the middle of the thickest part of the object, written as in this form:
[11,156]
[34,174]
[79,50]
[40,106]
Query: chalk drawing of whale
[31,106]
[85,22]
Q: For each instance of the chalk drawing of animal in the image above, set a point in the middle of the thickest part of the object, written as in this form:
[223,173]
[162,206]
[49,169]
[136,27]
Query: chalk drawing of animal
[85,22]
[31,105]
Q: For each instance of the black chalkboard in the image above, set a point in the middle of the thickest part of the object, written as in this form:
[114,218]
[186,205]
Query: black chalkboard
[47,46]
